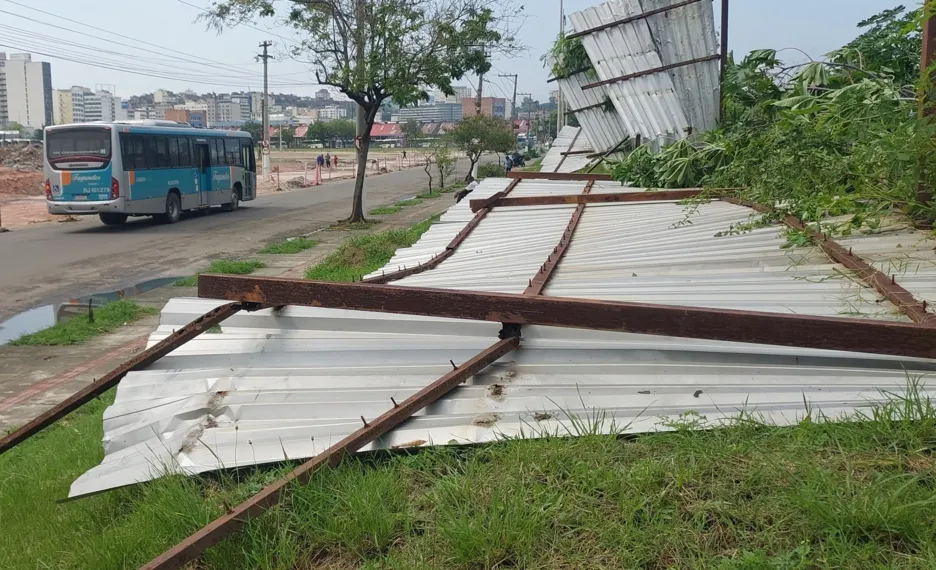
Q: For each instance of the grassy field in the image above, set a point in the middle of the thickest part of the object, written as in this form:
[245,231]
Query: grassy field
[749,496]
[287,246]
[225,266]
[80,328]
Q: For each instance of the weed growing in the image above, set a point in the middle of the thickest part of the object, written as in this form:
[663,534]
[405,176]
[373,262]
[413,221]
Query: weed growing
[294,245]
[224,266]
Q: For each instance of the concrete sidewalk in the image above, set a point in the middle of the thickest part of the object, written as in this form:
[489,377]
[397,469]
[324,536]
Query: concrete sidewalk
[35,378]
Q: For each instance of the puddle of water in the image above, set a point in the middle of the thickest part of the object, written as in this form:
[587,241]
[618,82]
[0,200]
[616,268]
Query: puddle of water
[45,316]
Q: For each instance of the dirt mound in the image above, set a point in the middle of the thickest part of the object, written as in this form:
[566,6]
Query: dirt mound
[21,157]
[20,182]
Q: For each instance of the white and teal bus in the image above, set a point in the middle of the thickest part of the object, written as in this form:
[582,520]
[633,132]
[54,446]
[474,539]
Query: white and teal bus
[146,168]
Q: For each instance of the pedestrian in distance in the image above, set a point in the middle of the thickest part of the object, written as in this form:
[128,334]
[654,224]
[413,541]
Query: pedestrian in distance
[472,184]
[404,155]
[328,162]
[320,160]
[508,164]
[335,159]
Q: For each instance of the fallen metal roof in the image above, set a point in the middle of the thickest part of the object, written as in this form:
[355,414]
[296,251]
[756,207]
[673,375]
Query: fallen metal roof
[665,105]
[604,127]
[558,157]
[287,384]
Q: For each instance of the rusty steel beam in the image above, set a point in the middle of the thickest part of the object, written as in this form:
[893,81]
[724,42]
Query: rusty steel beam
[854,335]
[482,211]
[190,548]
[571,145]
[646,72]
[630,19]
[885,285]
[109,380]
[542,277]
[650,196]
[566,176]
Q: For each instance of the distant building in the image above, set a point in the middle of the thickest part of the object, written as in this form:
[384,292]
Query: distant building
[63,110]
[81,105]
[323,95]
[431,113]
[160,96]
[256,104]
[4,113]
[28,91]
[490,106]
[332,113]
[461,92]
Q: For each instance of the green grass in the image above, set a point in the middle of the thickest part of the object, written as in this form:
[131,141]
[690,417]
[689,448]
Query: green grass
[225,266]
[79,328]
[363,254]
[747,496]
[294,245]
[384,210]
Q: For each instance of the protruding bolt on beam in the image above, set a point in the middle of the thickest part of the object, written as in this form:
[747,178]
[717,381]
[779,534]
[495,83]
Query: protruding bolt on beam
[453,365]
[365,421]
[395,405]
[893,279]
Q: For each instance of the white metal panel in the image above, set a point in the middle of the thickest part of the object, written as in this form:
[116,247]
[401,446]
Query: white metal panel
[570,139]
[666,106]
[605,128]
[899,250]
[685,34]
[651,252]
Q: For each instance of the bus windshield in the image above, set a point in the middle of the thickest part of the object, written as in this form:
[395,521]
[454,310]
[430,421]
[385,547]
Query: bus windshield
[78,144]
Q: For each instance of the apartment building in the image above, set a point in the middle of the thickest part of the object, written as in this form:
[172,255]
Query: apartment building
[28,91]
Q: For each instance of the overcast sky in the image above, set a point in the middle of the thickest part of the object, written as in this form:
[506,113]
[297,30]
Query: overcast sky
[204,61]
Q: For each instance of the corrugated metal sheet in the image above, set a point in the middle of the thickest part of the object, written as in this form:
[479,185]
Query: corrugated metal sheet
[899,250]
[604,128]
[657,106]
[272,386]
[686,34]
[570,139]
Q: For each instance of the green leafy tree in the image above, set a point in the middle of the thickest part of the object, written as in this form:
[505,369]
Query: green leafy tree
[255,129]
[444,161]
[890,45]
[289,136]
[375,50]
[478,134]
[411,132]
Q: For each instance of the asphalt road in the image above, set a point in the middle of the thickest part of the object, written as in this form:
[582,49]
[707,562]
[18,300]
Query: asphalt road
[58,261]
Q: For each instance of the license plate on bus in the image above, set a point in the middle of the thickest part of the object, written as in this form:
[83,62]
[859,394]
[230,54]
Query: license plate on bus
[81,197]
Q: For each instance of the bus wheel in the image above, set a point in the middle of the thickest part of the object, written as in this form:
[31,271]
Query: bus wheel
[173,209]
[234,204]
[113,219]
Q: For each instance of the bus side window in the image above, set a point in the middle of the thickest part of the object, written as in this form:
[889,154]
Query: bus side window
[149,151]
[162,151]
[173,152]
[213,146]
[232,151]
[139,157]
[252,161]
[185,156]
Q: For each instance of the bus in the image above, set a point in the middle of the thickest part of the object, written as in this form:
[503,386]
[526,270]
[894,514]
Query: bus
[145,168]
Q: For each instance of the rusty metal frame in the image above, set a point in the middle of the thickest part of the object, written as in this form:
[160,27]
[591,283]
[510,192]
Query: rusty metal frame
[645,72]
[612,197]
[109,380]
[630,19]
[484,207]
[542,277]
[831,333]
[187,550]
[564,176]
[885,285]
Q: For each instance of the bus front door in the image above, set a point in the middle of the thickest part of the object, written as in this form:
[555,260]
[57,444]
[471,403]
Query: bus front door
[203,160]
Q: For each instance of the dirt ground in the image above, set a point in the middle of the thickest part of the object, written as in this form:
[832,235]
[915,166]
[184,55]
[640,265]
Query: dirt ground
[21,195]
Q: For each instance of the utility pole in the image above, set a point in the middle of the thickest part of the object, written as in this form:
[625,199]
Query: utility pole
[560,114]
[529,118]
[265,153]
[480,91]
[513,109]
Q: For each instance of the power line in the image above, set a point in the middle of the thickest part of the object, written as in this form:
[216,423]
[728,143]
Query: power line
[205,61]
[267,32]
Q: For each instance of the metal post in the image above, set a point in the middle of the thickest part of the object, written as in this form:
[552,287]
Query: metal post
[560,118]
[724,57]
[266,108]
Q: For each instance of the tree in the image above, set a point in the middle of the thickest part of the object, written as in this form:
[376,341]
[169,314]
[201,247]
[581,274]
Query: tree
[411,132]
[891,45]
[255,129]
[289,136]
[444,161]
[478,134]
[375,50]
